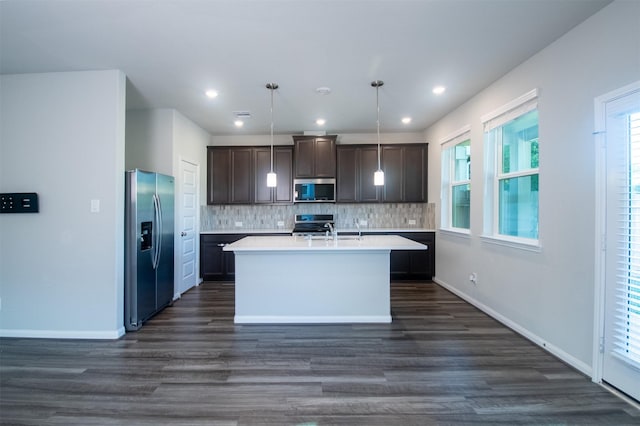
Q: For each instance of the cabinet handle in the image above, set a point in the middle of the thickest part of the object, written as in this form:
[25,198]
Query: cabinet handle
[222,244]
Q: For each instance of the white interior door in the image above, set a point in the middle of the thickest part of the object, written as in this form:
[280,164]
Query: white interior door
[188,221]
[621,340]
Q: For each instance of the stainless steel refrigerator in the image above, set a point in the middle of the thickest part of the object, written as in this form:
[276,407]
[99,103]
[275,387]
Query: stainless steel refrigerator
[149,218]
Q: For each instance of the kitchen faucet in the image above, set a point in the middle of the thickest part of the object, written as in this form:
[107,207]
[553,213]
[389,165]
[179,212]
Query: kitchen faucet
[332,229]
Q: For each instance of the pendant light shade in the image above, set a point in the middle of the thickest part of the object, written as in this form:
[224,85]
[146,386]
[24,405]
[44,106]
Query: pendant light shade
[378,176]
[271,176]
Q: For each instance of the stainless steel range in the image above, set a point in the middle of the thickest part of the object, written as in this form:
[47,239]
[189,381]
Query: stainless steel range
[313,224]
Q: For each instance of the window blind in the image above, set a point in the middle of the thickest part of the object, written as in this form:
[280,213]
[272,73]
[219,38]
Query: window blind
[627,316]
[510,111]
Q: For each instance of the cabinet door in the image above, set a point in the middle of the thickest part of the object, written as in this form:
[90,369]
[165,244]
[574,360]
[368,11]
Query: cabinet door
[304,157]
[241,176]
[414,173]
[422,262]
[392,167]
[368,165]
[218,174]
[262,166]
[216,264]
[283,164]
[211,258]
[400,264]
[325,158]
[413,265]
[346,177]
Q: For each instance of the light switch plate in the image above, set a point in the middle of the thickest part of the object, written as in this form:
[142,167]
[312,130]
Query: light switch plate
[238,224]
[412,221]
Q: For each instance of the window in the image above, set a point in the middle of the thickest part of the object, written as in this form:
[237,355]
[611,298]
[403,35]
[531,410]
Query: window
[511,173]
[456,181]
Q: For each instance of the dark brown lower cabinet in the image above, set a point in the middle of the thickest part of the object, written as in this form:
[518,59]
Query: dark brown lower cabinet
[405,265]
[414,265]
[215,263]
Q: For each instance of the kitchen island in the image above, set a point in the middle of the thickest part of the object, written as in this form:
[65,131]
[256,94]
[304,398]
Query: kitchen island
[290,279]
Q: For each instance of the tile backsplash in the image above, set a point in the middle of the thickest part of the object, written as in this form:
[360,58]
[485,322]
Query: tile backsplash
[387,215]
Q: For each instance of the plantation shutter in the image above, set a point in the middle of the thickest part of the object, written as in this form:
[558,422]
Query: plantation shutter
[626,337]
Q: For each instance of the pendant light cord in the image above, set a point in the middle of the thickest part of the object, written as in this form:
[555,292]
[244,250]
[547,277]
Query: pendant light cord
[378,123]
[377,84]
[271,87]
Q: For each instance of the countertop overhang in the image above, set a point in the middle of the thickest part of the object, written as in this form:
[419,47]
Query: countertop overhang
[303,244]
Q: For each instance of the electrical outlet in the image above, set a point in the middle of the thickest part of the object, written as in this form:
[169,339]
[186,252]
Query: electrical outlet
[238,224]
[473,278]
[412,221]
[364,222]
[280,223]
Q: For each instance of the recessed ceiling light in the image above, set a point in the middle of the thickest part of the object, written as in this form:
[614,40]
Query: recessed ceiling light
[439,90]
[320,121]
[211,94]
[406,120]
[238,123]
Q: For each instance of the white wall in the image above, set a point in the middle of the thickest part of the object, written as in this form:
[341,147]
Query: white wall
[158,140]
[61,270]
[547,296]
[149,135]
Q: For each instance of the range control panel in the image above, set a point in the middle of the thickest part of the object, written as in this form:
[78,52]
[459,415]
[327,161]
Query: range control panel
[19,202]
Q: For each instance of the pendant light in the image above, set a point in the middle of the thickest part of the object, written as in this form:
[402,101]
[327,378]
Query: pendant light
[378,176]
[271,176]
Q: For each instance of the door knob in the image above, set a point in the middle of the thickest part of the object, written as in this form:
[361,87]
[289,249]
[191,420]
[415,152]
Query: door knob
[183,234]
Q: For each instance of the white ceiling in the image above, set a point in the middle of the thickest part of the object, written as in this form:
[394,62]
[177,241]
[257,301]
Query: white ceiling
[172,51]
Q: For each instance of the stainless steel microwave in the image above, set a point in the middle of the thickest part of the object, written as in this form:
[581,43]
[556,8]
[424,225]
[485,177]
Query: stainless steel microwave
[314,190]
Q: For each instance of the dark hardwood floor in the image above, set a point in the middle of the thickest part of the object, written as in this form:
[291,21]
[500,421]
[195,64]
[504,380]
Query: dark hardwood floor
[441,361]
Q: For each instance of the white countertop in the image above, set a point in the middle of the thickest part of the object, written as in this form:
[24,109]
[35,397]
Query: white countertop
[348,243]
[288,231]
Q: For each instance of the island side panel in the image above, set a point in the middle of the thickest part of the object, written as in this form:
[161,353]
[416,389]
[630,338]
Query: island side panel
[312,287]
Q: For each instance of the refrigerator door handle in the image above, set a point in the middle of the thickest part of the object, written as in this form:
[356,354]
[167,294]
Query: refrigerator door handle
[158,232]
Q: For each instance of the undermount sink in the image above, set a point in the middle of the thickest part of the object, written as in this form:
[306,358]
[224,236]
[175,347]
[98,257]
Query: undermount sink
[330,238]
[349,237]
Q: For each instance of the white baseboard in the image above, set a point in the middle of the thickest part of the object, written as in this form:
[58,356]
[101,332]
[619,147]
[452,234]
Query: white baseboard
[64,334]
[554,350]
[294,319]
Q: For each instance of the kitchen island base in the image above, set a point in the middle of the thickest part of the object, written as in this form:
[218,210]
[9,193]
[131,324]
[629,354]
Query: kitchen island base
[282,279]
[312,287]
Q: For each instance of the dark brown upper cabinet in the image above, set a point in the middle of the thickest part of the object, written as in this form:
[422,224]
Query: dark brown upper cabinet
[282,166]
[405,173]
[315,156]
[238,175]
[229,175]
[356,165]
